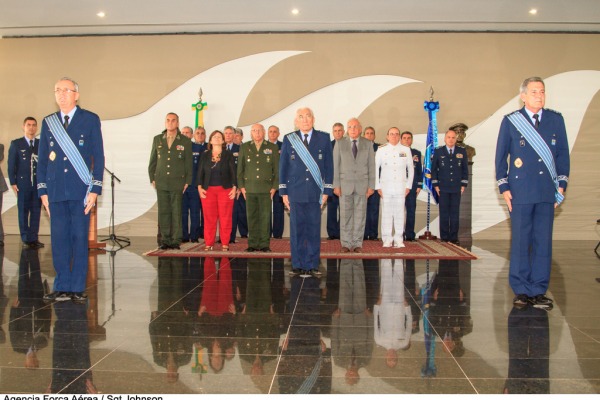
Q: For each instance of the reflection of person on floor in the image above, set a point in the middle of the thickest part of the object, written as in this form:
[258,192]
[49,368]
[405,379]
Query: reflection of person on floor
[528,351]
[352,325]
[3,299]
[71,372]
[217,311]
[413,295]
[449,313]
[305,365]
[30,319]
[257,322]
[170,326]
[392,314]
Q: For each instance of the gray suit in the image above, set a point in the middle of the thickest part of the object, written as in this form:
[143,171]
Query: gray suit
[354,177]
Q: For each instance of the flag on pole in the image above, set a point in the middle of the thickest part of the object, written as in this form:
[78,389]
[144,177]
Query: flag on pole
[432,107]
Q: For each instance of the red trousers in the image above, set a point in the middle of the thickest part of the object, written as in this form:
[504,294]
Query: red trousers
[217,207]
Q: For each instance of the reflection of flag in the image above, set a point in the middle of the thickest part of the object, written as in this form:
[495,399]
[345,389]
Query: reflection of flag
[428,369]
[432,107]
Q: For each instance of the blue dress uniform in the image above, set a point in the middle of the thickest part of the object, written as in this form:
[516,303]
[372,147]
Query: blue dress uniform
[22,171]
[449,172]
[372,221]
[191,208]
[58,179]
[304,195]
[238,218]
[278,211]
[410,202]
[333,218]
[521,170]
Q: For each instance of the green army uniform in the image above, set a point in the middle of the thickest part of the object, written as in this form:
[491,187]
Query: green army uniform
[258,173]
[171,170]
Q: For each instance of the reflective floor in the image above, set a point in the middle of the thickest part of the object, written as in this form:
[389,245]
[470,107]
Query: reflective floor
[178,325]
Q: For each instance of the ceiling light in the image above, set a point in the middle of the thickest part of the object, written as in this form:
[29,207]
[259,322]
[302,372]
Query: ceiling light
[295,11]
[533,11]
[101,14]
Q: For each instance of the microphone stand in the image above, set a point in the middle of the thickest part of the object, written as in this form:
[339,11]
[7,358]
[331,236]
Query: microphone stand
[119,241]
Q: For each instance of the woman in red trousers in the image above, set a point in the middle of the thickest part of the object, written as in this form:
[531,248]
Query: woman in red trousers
[217,186]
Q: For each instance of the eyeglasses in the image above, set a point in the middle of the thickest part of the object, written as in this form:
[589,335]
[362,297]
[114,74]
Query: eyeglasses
[59,90]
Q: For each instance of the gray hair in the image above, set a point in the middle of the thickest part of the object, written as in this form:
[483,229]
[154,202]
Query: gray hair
[527,81]
[66,78]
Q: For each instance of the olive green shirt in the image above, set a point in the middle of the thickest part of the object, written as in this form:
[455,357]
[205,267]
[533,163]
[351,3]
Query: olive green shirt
[171,168]
[258,170]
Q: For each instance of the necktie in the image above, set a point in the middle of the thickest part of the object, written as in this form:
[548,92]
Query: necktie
[306,140]
[66,123]
[31,145]
[450,151]
[354,148]
[537,121]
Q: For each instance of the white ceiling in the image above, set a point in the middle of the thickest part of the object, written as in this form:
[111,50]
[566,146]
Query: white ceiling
[23,18]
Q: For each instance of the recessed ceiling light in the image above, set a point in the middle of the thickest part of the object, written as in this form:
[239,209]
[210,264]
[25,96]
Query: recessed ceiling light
[295,11]
[533,11]
[101,14]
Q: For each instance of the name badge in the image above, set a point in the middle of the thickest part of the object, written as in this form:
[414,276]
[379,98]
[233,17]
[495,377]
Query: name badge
[553,142]
[81,142]
[320,156]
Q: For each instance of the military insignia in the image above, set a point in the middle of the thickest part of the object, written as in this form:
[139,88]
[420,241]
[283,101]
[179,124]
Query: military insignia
[180,147]
[268,151]
[459,155]
[52,156]
[81,142]
[553,142]
[518,163]
[320,156]
[293,157]
[416,158]
[236,154]
[522,143]
[268,159]
[402,154]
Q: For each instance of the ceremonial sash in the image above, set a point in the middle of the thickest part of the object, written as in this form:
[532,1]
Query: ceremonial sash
[309,161]
[68,147]
[541,148]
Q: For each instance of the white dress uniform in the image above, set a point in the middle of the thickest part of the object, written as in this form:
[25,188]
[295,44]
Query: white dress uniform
[393,316]
[394,177]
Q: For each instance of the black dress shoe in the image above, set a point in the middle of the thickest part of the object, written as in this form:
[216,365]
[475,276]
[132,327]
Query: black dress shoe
[541,301]
[316,273]
[250,250]
[185,240]
[277,237]
[194,240]
[244,236]
[38,244]
[265,250]
[27,245]
[79,297]
[164,247]
[520,300]
[175,246]
[295,272]
[52,296]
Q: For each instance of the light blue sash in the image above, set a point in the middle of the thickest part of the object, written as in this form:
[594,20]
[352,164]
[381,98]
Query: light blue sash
[68,147]
[541,148]
[309,161]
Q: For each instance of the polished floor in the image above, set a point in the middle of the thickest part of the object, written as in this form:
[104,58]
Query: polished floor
[178,325]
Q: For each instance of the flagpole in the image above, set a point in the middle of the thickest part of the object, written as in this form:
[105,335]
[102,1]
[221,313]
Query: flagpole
[432,107]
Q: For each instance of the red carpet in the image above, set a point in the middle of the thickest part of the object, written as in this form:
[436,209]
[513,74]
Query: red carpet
[422,249]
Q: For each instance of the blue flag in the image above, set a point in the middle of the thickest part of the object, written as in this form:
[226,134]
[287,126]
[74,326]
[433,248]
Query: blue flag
[432,107]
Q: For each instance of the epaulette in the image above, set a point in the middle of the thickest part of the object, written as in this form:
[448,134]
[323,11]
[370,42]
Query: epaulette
[439,147]
[511,113]
[551,110]
[382,145]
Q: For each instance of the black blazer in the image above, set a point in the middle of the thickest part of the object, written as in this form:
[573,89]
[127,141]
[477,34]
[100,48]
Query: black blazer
[228,170]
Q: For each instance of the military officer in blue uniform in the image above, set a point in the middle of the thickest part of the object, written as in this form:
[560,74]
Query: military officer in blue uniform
[305,182]
[191,208]
[532,172]
[22,171]
[449,178]
[372,218]
[277,223]
[69,179]
[410,201]
[333,201]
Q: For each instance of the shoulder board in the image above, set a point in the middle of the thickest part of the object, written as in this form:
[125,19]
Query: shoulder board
[439,147]
[383,145]
[511,113]
[553,111]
